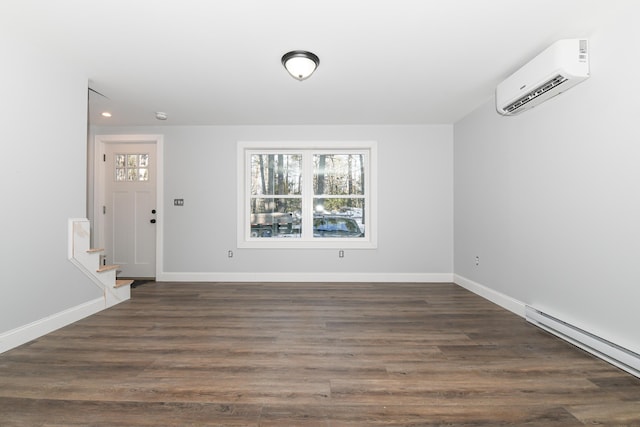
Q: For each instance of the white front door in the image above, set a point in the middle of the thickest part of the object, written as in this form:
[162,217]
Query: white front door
[129,210]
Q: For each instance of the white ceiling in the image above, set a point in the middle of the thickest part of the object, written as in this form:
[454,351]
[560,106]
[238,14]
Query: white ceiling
[218,62]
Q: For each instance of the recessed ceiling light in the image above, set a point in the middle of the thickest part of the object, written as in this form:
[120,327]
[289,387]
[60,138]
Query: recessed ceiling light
[106,114]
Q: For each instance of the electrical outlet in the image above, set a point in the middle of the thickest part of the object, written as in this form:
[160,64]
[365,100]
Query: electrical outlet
[230,254]
[340,253]
[477,260]
[178,202]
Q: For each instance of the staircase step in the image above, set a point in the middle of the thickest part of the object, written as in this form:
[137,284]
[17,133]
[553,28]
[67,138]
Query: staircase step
[94,250]
[122,282]
[107,268]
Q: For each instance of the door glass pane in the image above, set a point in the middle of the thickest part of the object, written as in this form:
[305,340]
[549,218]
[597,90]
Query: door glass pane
[132,160]
[132,167]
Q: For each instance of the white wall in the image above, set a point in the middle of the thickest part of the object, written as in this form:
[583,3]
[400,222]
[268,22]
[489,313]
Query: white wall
[415,205]
[550,200]
[42,182]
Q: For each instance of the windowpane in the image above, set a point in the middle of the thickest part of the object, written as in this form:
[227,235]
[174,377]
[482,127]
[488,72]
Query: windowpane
[120,160]
[315,195]
[276,174]
[332,226]
[144,161]
[271,217]
[338,174]
[348,208]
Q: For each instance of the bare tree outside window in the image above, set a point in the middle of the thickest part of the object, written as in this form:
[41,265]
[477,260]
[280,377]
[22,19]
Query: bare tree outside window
[276,195]
[339,186]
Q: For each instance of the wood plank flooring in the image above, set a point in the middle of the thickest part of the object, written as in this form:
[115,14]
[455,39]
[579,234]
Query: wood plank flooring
[301,354]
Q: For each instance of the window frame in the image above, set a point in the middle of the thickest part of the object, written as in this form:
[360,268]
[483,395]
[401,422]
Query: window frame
[244,151]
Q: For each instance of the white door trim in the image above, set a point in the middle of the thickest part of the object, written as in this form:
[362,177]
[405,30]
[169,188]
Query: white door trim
[99,187]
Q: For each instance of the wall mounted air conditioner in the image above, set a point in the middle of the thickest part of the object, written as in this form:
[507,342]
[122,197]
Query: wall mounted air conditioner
[561,66]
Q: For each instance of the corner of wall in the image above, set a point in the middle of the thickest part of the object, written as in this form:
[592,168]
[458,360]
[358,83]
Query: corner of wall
[504,301]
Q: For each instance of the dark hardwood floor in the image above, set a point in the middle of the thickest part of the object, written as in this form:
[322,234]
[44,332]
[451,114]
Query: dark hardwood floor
[300,354]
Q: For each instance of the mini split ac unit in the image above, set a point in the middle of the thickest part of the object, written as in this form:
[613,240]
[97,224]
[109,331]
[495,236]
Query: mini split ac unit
[561,66]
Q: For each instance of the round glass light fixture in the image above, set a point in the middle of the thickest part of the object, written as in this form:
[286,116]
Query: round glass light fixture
[300,63]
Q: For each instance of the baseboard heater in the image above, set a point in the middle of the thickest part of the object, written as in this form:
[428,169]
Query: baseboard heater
[623,358]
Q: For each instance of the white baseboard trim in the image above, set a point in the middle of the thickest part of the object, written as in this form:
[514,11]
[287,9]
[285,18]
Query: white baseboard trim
[24,334]
[504,301]
[307,277]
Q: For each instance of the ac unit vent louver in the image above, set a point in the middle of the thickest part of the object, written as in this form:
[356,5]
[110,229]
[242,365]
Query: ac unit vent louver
[558,68]
[543,88]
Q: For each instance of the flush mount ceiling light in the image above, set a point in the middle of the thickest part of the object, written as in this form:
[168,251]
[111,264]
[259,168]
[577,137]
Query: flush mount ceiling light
[300,64]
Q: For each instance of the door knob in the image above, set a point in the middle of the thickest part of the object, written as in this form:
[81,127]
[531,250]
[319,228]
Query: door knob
[153,211]
[153,221]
